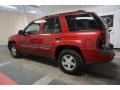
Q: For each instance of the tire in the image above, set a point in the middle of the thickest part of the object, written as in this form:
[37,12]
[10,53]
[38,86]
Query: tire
[13,50]
[70,62]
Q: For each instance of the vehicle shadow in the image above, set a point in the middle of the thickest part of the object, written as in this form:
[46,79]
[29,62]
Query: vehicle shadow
[107,71]
[43,60]
[97,70]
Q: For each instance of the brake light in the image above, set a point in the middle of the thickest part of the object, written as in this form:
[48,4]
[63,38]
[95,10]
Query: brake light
[101,41]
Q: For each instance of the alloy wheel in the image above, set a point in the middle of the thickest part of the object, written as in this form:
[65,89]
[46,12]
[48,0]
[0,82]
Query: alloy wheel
[68,62]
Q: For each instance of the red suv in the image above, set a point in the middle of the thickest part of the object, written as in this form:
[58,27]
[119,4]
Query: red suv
[72,38]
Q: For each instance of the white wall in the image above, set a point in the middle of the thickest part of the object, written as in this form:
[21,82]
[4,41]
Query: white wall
[100,10]
[11,22]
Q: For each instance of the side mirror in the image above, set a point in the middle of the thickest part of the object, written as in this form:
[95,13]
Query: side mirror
[21,32]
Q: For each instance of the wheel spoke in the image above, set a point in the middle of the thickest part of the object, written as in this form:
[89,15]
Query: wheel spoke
[69,67]
[65,58]
[70,59]
[72,64]
[64,63]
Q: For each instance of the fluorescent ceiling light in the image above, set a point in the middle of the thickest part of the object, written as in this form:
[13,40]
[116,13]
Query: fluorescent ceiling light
[40,21]
[89,18]
[32,11]
[38,5]
[8,6]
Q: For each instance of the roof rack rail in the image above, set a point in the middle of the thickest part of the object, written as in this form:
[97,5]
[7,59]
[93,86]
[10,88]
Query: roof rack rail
[81,11]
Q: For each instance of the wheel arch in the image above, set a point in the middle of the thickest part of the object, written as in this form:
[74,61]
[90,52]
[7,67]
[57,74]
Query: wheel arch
[62,47]
[10,43]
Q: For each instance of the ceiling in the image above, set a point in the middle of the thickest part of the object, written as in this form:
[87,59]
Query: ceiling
[31,9]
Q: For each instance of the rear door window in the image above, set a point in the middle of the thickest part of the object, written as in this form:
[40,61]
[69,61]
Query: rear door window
[57,27]
[49,25]
[52,25]
[81,22]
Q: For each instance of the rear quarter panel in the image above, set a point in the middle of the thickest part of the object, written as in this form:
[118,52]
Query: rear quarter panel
[86,41]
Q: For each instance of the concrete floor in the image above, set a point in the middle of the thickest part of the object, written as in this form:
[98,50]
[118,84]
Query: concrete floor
[38,70]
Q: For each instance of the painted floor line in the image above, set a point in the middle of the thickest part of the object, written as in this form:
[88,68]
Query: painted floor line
[5,80]
[117,54]
[46,80]
[6,63]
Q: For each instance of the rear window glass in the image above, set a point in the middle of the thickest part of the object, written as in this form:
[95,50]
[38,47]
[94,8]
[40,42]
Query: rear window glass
[81,22]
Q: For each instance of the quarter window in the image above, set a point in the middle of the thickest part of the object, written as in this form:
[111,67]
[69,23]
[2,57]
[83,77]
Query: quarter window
[81,22]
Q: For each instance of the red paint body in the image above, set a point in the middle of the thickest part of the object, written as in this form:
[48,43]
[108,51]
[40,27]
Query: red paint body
[86,41]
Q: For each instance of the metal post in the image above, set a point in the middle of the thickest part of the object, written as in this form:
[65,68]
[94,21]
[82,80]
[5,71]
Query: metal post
[25,17]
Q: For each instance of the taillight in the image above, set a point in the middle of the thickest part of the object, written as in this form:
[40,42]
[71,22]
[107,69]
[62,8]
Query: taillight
[111,46]
[101,43]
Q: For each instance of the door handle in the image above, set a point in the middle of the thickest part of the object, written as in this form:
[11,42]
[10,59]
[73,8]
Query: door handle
[57,38]
[34,38]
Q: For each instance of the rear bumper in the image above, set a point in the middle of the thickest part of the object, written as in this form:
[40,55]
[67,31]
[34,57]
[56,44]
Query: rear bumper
[99,56]
[108,55]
